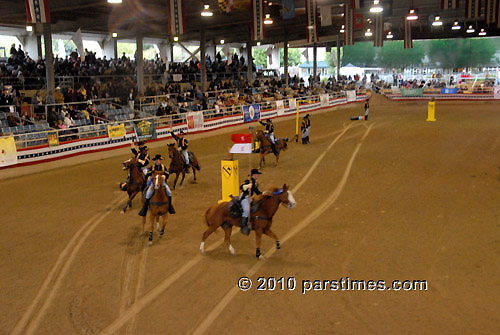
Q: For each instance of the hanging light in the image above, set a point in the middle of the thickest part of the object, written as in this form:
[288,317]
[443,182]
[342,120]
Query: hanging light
[176,38]
[114,1]
[222,41]
[342,30]
[206,11]
[115,35]
[258,43]
[470,30]
[368,32]
[29,28]
[437,21]
[376,8]
[412,15]
[390,35]
[456,26]
[482,32]
[268,19]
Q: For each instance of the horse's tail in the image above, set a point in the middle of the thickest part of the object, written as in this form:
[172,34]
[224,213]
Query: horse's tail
[206,216]
[194,161]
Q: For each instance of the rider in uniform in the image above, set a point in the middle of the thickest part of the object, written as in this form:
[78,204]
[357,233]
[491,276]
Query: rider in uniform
[182,144]
[306,129]
[158,166]
[141,156]
[270,134]
[248,189]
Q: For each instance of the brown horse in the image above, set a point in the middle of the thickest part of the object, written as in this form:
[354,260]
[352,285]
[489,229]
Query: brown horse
[260,219]
[158,206]
[177,165]
[266,148]
[135,183]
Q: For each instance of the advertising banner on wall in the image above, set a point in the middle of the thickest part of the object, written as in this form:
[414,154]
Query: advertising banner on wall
[8,151]
[116,131]
[194,121]
[497,92]
[145,130]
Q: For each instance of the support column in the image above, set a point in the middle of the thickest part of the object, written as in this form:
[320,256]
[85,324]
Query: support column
[315,63]
[38,46]
[211,50]
[250,59]
[203,61]
[338,58]
[285,61]
[139,60]
[171,54]
[115,47]
[109,48]
[49,57]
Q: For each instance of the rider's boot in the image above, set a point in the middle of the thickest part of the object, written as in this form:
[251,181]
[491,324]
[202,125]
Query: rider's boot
[144,209]
[275,150]
[186,168]
[171,209]
[244,226]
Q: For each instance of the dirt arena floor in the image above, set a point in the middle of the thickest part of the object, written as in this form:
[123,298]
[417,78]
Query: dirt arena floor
[391,198]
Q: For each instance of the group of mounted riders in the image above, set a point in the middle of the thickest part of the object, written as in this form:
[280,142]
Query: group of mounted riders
[248,189]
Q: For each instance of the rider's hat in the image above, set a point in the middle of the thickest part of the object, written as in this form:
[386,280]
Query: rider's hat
[307,116]
[255,171]
[142,145]
[158,156]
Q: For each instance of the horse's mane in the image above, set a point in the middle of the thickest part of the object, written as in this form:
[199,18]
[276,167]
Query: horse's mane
[265,194]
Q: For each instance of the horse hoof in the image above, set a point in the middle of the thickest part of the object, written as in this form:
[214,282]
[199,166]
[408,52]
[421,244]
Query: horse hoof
[202,247]
[150,243]
[231,249]
[122,211]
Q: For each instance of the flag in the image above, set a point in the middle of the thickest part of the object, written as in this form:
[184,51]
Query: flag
[305,53]
[325,13]
[357,3]
[288,9]
[472,9]
[349,29]
[492,11]
[177,22]
[241,138]
[312,25]
[77,38]
[408,40]
[257,20]
[38,11]
[379,31]
[225,6]
[269,53]
[357,21]
[242,144]
[449,4]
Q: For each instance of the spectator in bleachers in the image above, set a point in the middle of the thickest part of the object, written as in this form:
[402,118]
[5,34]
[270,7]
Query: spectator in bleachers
[36,102]
[12,120]
[68,120]
[50,98]
[58,96]
[6,100]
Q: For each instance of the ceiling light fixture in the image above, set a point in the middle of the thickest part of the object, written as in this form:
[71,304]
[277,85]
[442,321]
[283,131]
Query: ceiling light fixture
[390,35]
[368,32]
[206,11]
[470,30]
[268,19]
[114,1]
[115,35]
[222,41]
[342,30]
[176,38]
[412,15]
[376,7]
[456,26]
[437,21]
[29,28]
[482,32]
[258,43]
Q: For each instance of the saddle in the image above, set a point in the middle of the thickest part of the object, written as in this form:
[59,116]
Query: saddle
[236,210]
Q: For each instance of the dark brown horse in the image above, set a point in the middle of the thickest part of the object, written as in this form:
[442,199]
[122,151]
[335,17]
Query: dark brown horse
[177,165]
[261,220]
[266,148]
[158,206]
[135,182]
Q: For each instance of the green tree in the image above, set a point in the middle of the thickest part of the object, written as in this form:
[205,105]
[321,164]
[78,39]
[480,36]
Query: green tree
[470,52]
[361,54]
[293,57]
[394,55]
[259,57]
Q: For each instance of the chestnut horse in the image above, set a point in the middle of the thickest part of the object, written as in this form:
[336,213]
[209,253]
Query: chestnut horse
[135,183]
[158,206]
[261,220]
[265,146]
[177,163]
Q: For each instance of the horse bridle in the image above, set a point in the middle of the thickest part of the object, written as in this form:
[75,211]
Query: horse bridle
[278,192]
